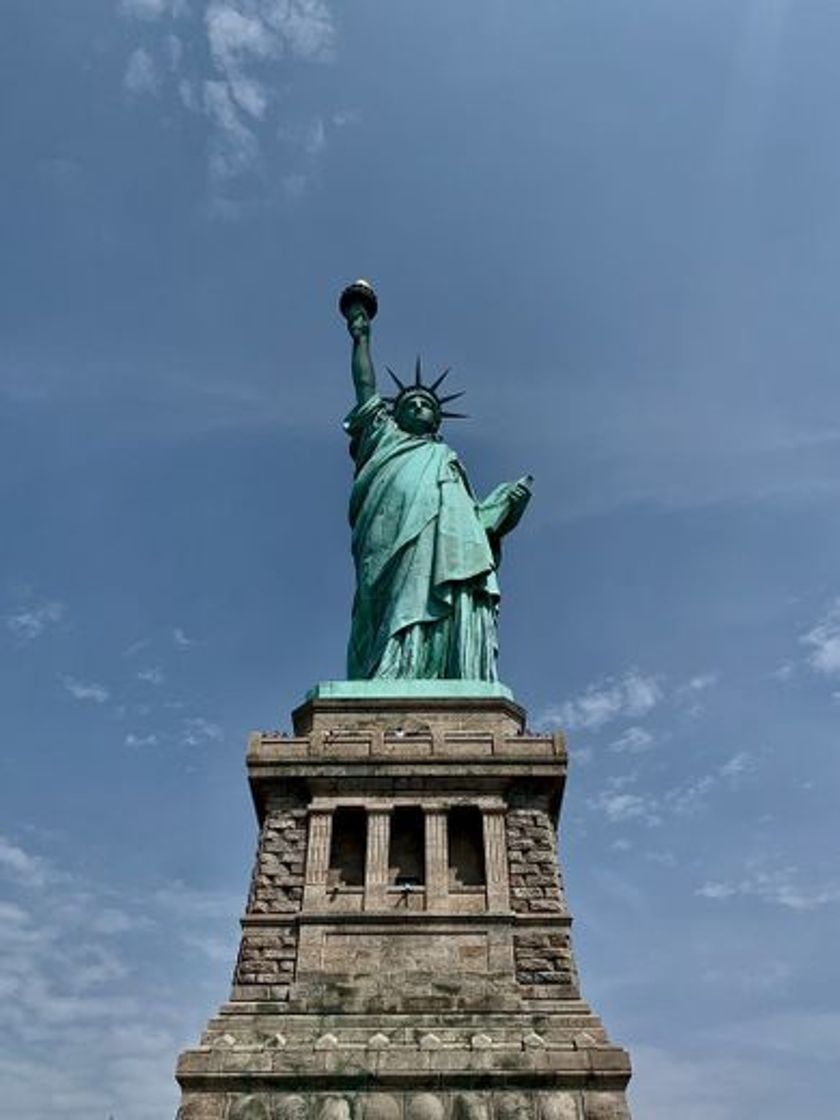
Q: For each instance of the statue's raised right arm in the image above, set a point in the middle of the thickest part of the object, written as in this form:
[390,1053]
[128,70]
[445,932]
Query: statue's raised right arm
[364,376]
[358,305]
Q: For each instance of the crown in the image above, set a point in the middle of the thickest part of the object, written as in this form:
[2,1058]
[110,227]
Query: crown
[431,391]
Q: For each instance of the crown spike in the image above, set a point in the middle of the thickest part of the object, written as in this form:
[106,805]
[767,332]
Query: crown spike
[454,416]
[439,381]
[451,397]
[396,380]
[418,380]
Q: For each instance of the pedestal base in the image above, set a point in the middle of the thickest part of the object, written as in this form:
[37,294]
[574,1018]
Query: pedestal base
[406,948]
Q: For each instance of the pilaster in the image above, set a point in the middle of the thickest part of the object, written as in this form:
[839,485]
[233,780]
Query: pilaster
[437,869]
[376,869]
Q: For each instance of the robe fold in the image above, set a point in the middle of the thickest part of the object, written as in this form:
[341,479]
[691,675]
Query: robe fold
[426,590]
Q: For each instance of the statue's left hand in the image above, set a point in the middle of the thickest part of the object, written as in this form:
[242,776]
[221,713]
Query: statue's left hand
[519,493]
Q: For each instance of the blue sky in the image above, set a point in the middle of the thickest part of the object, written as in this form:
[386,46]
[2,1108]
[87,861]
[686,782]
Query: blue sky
[618,223]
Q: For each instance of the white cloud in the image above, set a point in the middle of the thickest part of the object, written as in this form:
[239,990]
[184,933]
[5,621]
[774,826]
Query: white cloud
[111,920]
[690,798]
[316,137]
[620,806]
[132,740]
[702,1086]
[30,622]
[738,764]
[141,74]
[189,904]
[180,639]
[700,682]
[627,697]
[687,695]
[188,95]
[237,33]
[635,740]
[626,806]
[581,755]
[79,690]
[236,87]
[97,995]
[219,949]
[26,869]
[152,9]
[174,51]
[824,642]
[777,887]
[799,1032]
[716,890]
[235,149]
[152,675]
[198,730]
[663,858]
[784,671]
[242,36]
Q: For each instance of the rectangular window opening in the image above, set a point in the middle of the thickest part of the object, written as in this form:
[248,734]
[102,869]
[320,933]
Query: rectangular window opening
[466,847]
[348,848]
[407,848]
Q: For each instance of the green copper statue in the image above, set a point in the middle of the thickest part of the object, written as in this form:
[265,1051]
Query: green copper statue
[426,550]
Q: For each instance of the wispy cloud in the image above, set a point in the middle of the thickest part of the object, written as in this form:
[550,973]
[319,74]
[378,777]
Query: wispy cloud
[141,73]
[620,807]
[687,696]
[737,765]
[28,870]
[635,740]
[702,1087]
[30,622]
[698,683]
[154,674]
[80,690]
[627,697]
[132,740]
[690,797]
[243,35]
[779,887]
[233,82]
[197,731]
[189,904]
[619,803]
[823,642]
[153,9]
[87,1019]
[180,639]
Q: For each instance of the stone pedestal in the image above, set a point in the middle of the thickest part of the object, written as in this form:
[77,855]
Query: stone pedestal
[405,951]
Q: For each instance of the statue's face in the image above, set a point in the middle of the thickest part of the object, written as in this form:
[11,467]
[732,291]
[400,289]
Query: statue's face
[417,415]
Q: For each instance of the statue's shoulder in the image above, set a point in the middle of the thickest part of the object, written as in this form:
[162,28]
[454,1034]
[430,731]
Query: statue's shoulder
[373,413]
[371,430]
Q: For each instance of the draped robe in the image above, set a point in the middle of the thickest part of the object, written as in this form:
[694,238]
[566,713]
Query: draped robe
[426,591]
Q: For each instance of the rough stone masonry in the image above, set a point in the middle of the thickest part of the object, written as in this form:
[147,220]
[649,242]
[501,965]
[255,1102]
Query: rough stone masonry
[406,949]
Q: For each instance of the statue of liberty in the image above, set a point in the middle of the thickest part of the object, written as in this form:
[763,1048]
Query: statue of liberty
[426,550]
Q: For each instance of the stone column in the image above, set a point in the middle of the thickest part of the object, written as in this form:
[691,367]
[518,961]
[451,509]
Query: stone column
[376,861]
[495,859]
[437,860]
[317,858]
